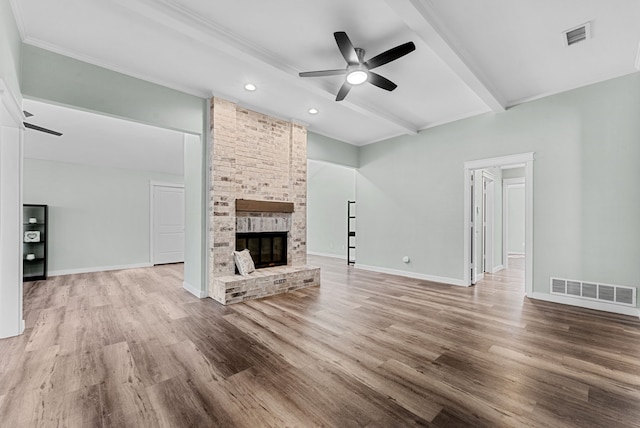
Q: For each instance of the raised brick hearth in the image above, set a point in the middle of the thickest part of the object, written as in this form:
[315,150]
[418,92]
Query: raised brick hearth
[255,157]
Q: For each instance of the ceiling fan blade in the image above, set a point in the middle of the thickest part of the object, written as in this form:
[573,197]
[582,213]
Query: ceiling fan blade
[346,48]
[381,82]
[322,73]
[41,129]
[344,90]
[390,55]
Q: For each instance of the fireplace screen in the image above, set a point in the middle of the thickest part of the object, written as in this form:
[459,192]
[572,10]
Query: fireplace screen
[267,248]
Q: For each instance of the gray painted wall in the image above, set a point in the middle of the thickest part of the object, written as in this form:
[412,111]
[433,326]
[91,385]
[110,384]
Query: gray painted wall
[327,149]
[410,188]
[329,189]
[98,217]
[59,79]
[10,48]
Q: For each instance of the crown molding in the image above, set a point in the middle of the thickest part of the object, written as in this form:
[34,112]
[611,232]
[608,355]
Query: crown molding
[18,18]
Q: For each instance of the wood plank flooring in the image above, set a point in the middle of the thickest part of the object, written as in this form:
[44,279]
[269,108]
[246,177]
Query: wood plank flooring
[133,349]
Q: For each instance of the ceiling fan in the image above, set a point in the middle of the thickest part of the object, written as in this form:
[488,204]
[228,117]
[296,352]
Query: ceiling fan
[358,70]
[38,128]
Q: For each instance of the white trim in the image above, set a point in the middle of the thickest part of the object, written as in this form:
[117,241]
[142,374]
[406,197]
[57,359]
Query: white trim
[440,279]
[497,268]
[18,18]
[333,256]
[13,104]
[152,185]
[11,216]
[499,161]
[589,304]
[98,269]
[200,294]
[166,184]
[506,184]
[469,166]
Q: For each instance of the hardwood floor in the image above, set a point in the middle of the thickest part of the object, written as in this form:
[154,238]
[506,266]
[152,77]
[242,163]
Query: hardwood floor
[132,348]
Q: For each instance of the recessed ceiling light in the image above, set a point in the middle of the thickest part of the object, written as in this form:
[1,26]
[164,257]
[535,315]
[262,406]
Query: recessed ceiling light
[313,111]
[250,87]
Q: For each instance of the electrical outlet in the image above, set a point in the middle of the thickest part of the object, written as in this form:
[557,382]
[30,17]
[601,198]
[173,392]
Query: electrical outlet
[406,259]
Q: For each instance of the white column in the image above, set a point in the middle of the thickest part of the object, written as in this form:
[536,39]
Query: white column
[11,133]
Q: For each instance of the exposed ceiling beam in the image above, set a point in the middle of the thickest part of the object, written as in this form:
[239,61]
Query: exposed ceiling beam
[422,19]
[179,18]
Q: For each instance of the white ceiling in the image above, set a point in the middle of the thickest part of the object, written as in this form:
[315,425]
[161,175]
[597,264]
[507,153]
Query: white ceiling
[471,56]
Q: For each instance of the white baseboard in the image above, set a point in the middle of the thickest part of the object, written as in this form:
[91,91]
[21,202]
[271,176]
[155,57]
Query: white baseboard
[333,256]
[497,268]
[441,279]
[589,304]
[194,290]
[480,277]
[97,269]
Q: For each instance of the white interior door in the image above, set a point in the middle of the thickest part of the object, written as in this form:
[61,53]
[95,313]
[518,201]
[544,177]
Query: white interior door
[167,215]
[488,223]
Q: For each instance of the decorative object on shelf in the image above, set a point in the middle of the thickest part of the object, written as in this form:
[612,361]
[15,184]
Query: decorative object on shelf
[34,246]
[31,236]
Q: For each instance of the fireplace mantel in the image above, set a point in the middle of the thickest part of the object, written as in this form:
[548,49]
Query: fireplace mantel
[248,205]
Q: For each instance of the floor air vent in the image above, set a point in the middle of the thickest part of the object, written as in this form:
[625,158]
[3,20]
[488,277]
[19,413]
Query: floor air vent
[617,294]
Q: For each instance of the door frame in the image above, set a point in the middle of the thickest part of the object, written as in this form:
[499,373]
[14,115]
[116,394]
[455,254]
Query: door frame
[152,185]
[506,184]
[469,167]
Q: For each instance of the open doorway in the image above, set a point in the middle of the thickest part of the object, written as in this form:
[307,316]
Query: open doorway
[486,250]
[95,179]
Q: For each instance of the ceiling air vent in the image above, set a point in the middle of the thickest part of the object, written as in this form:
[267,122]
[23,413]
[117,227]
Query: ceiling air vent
[577,34]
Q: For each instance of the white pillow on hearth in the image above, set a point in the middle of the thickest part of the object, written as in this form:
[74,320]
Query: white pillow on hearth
[244,262]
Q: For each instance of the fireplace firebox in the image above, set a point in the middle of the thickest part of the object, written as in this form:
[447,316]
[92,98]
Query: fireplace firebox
[267,248]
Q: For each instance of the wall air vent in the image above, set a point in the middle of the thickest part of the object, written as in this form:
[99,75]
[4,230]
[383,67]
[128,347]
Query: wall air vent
[616,294]
[576,34]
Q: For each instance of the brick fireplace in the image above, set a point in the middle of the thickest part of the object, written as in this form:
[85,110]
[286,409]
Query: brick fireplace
[258,166]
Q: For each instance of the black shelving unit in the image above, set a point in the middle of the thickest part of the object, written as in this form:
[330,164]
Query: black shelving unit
[351,232]
[34,242]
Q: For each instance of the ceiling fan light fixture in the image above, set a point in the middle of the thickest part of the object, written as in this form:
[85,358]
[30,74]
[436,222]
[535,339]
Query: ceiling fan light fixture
[357,77]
